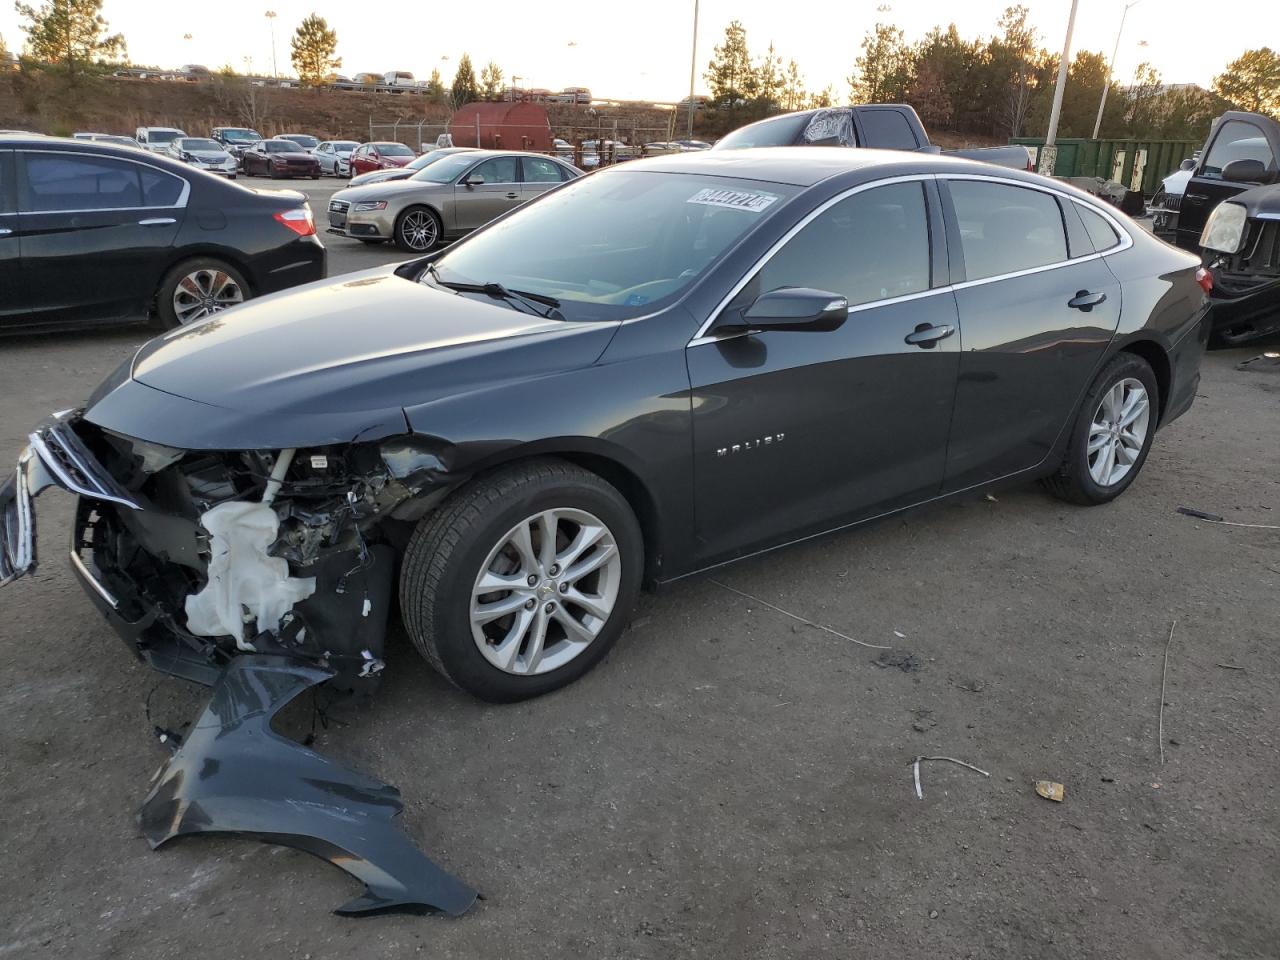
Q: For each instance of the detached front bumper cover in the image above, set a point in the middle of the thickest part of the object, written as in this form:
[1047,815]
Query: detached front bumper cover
[234,774]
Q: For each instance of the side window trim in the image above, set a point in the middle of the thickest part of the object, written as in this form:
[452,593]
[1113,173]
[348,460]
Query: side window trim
[701,336]
[8,183]
[181,202]
[1126,241]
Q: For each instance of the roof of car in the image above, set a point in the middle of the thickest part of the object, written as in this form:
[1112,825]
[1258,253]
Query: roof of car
[805,166]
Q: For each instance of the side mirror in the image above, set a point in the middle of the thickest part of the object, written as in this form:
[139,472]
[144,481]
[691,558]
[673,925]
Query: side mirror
[473,180]
[1187,164]
[792,308]
[1245,171]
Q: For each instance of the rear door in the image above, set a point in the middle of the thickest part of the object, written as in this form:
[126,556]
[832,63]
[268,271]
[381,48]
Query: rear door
[1234,139]
[1036,315]
[476,204]
[13,303]
[95,232]
[540,175]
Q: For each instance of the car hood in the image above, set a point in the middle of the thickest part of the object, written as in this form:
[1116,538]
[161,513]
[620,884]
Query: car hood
[1260,201]
[385,189]
[211,156]
[330,362]
[380,176]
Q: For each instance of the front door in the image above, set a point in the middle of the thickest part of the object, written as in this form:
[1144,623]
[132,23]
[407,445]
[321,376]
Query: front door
[798,431]
[1233,140]
[1034,323]
[475,204]
[95,233]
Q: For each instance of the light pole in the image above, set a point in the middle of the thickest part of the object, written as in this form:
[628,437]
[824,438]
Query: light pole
[1049,152]
[1106,84]
[693,66]
[271,19]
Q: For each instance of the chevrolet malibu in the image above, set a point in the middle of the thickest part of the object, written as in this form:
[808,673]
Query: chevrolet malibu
[448,197]
[655,370]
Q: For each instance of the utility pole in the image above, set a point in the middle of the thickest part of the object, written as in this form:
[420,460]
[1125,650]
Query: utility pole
[1106,85]
[1049,152]
[693,66]
[271,19]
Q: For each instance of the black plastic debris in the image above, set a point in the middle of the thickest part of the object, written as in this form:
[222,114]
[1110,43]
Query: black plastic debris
[233,774]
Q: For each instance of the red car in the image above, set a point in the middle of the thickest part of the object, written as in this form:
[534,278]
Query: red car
[379,156]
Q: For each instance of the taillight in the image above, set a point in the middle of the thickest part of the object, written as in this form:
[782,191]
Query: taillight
[1205,279]
[299,220]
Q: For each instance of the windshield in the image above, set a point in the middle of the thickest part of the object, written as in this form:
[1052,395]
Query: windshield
[445,169]
[198,143]
[782,132]
[393,150]
[344,146]
[302,139]
[618,244]
[163,136]
[242,136]
[282,146]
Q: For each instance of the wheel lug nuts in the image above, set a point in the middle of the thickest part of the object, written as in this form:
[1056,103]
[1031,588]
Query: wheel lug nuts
[530,604]
[555,568]
[564,588]
[551,608]
[532,581]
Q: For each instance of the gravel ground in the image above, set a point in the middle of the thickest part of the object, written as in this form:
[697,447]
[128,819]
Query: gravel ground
[731,783]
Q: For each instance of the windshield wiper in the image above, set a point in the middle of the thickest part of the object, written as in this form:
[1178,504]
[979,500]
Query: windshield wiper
[499,292]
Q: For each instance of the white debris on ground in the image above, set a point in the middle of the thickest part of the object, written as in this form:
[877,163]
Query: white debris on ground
[245,583]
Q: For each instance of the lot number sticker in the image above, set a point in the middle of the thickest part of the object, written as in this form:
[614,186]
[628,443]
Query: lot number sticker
[734,199]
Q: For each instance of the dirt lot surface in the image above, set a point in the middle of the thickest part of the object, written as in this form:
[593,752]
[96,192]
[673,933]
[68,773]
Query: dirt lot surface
[730,783]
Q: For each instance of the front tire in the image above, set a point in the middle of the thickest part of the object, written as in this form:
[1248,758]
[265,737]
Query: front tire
[521,582]
[417,230]
[1112,434]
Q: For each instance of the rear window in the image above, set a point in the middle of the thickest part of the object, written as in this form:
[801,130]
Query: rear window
[68,182]
[888,129]
[1102,234]
[778,132]
[1005,229]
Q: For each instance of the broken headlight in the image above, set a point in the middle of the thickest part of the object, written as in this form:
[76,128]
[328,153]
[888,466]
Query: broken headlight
[1224,230]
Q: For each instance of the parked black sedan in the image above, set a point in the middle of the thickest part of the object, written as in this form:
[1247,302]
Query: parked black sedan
[279,158]
[95,234]
[641,375]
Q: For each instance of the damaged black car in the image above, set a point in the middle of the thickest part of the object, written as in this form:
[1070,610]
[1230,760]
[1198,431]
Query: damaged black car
[643,374]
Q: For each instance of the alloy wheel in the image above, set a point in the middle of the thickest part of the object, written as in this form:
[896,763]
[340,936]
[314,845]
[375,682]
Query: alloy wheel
[1118,432]
[545,591]
[418,230]
[203,292]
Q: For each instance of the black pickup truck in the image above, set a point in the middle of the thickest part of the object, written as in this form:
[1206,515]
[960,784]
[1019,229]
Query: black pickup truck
[1230,214]
[889,126]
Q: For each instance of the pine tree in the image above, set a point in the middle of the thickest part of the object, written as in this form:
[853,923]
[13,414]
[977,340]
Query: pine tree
[435,88]
[464,89]
[314,45]
[72,33]
[882,72]
[491,81]
[730,75]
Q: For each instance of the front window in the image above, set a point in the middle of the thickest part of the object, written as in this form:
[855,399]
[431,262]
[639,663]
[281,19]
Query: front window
[616,245]
[444,170]
[1237,140]
[497,170]
[393,150]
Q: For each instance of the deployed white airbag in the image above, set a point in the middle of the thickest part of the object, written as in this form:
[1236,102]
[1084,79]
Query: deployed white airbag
[245,583]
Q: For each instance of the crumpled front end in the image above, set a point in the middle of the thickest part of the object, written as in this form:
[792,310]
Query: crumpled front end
[195,556]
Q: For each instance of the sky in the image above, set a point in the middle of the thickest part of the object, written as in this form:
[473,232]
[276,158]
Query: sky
[626,51]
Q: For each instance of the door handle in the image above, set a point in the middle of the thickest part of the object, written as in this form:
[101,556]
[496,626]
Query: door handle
[926,335]
[1086,301]
[156,221]
[1195,197]
[5,231]
[512,196]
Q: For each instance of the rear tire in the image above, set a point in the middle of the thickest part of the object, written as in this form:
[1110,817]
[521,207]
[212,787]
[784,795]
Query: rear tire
[1112,435]
[471,535]
[167,313]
